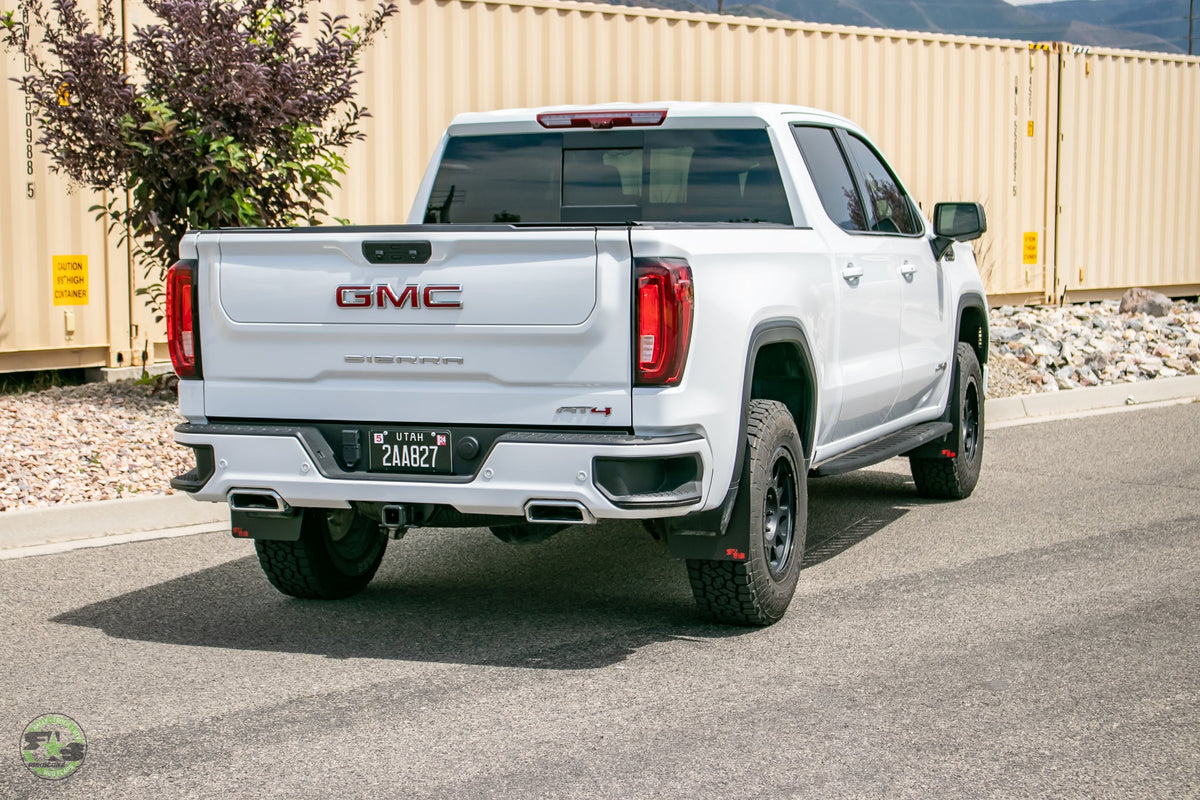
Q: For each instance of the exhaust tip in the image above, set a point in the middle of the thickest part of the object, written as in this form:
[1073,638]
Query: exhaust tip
[559,512]
[258,501]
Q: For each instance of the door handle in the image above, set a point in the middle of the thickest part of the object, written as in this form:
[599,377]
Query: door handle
[908,270]
[851,273]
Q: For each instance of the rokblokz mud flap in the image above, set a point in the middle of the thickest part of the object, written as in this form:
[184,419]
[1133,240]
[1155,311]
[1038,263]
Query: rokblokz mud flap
[706,534]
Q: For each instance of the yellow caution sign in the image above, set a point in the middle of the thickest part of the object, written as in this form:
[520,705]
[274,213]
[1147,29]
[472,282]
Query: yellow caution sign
[1030,249]
[70,280]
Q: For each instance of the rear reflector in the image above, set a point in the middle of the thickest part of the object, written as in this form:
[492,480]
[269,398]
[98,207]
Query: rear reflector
[182,333]
[599,120]
[663,327]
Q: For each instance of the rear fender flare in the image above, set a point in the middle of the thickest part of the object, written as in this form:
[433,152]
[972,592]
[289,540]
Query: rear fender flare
[705,534]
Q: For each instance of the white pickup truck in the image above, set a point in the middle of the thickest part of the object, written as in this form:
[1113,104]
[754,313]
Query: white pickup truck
[674,313]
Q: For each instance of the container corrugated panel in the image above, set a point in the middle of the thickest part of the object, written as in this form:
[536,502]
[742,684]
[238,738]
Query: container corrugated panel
[42,218]
[951,113]
[1129,167]
[959,118]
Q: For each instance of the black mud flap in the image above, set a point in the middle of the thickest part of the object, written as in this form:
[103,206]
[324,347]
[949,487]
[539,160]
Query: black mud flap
[706,535]
[946,446]
[272,527]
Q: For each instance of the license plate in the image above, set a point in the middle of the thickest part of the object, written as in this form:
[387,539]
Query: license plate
[410,450]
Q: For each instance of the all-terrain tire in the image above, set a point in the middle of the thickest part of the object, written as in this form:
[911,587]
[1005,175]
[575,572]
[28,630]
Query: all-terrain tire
[954,477]
[336,555]
[772,509]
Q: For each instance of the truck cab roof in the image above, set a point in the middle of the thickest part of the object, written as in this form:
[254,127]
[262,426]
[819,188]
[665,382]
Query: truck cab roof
[677,114]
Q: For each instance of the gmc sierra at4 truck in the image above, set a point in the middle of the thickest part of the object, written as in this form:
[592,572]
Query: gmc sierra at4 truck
[674,313]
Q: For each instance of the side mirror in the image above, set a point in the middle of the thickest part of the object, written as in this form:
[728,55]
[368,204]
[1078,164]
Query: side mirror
[956,222]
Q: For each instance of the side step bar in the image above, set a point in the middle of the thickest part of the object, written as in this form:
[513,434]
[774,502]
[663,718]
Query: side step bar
[883,449]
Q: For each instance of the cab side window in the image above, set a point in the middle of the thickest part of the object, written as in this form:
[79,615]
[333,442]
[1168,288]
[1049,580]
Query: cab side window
[889,209]
[831,176]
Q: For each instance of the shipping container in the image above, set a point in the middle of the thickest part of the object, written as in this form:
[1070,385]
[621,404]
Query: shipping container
[960,118]
[1085,160]
[1128,173]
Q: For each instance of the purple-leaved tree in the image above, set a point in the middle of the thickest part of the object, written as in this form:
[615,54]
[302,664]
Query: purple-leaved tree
[220,113]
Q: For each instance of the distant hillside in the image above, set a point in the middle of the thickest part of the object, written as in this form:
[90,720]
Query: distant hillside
[1156,21]
[1155,25]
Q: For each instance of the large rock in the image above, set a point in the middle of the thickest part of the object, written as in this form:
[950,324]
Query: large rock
[1144,301]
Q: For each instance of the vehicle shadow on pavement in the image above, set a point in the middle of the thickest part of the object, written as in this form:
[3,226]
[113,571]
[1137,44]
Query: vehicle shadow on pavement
[846,509]
[587,598]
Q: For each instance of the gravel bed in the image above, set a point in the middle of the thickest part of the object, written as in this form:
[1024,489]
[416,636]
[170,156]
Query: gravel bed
[104,441]
[100,441]
[1050,349]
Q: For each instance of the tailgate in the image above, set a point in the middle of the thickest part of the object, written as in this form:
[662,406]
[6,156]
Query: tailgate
[485,326]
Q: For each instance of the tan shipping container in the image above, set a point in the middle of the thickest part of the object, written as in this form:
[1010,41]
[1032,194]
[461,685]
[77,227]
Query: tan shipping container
[960,118]
[66,289]
[1084,160]
[54,289]
[1129,173]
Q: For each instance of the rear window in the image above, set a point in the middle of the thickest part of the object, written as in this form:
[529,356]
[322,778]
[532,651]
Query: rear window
[651,176]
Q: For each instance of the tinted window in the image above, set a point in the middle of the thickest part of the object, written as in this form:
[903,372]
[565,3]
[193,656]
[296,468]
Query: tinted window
[665,176]
[889,210]
[831,176]
[497,179]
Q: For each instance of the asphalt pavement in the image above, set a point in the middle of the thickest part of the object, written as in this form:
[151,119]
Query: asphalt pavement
[1036,640]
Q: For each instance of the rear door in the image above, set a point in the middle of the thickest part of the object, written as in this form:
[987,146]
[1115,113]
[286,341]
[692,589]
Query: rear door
[419,324]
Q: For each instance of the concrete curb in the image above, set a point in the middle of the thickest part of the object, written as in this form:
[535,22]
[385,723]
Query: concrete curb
[1052,405]
[55,529]
[106,518]
[106,539]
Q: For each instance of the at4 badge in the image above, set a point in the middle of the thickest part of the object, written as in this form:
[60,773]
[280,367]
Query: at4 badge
[53,746]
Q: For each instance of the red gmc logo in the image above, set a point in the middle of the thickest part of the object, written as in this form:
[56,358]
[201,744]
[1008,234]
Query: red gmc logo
[382,295]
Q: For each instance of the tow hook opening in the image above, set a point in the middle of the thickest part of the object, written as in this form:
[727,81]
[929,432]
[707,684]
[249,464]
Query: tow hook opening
[194,479]
[661,481]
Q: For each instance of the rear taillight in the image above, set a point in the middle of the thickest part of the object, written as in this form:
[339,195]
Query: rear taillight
[183,335]
[663,323]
